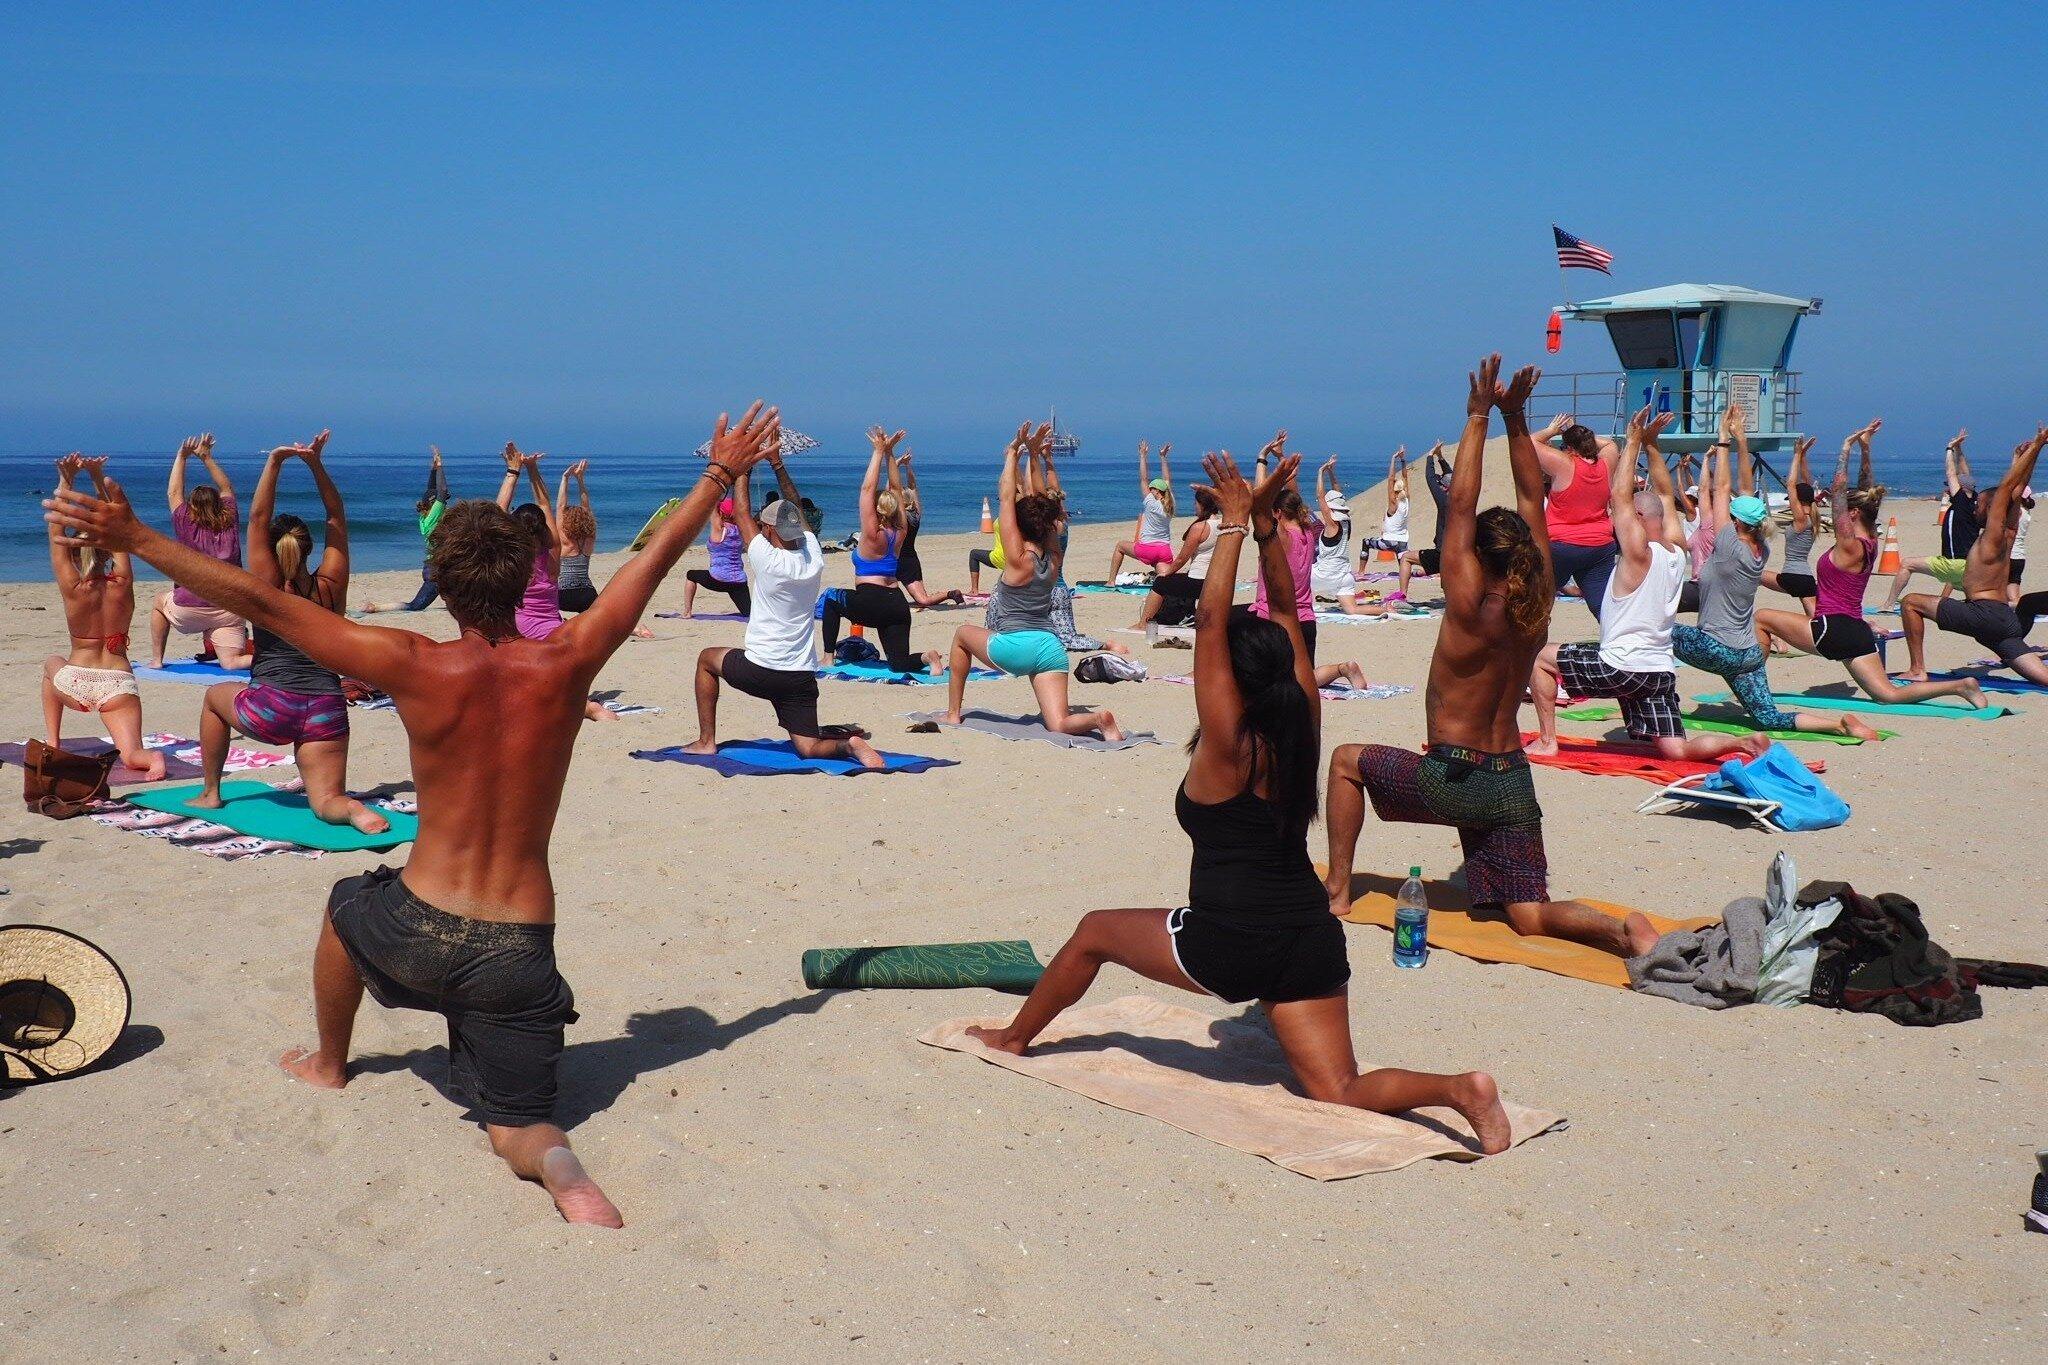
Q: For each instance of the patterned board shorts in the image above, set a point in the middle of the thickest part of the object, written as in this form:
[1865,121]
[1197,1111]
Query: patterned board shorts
[1649,701]
[1490,799]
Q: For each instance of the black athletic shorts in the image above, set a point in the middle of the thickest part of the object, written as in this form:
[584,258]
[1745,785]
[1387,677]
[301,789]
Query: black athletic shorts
[1843,638]
[1689,596]
[793,694]
[2015,570]
[1431,560]
[1278,963]
[580,598]
[1994,625]
[495,983]
[1795,584]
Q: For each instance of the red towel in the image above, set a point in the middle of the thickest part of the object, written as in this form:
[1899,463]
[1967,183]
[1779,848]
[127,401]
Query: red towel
[1605,758]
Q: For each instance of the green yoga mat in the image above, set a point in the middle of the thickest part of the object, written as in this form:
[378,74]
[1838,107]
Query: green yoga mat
[1728,726]
[259,809]
[1003,966]
[1941,708]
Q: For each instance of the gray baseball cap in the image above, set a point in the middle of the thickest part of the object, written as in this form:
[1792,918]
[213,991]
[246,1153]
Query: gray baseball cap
[785,519]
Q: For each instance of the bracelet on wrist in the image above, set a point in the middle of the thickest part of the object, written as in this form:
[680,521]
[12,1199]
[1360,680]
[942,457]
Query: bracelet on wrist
[1232,529]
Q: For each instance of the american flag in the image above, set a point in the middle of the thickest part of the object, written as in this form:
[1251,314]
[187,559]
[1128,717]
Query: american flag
[1575,254]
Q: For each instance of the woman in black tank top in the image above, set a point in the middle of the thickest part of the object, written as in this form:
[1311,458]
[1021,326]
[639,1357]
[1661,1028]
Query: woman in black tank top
[1258,922]
[289,699]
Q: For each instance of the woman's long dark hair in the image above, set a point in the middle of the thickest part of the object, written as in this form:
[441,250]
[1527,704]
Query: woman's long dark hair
[1277,726]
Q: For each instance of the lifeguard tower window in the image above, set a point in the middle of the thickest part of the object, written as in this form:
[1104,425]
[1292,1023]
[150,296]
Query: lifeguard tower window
[1644,341]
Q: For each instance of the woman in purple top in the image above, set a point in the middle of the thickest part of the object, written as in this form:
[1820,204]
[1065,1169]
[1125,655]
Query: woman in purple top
[209,522]
[540,610]
[728,572]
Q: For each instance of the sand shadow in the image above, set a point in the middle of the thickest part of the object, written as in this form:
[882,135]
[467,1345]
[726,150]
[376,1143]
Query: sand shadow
[136,1040]
[15,848]
[594,1074]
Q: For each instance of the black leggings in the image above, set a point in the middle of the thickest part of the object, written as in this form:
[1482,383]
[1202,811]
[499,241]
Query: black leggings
[977,557]
[2029,608]
[883,609]
[742,598]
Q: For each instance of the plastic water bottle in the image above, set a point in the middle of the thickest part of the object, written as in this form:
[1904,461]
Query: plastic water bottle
[1411,922]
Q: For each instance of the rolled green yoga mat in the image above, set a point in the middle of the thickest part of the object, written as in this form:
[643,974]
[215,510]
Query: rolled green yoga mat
[1940,708]
[1720,725]
[1009,965]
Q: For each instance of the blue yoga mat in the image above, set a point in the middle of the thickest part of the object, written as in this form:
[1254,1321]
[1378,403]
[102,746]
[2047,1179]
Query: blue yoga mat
[1994,682]
[882,673]
[190,671]
[774,757]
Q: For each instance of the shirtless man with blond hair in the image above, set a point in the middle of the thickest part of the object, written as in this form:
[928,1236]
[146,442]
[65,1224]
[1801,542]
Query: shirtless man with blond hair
[466,928]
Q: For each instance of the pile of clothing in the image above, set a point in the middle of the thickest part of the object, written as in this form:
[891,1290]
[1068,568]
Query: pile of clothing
[1830,945]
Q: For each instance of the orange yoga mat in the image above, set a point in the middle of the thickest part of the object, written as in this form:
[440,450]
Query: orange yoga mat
[1452,928]
[1608,758]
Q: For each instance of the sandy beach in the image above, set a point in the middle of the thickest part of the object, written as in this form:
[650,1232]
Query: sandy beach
[802,1179]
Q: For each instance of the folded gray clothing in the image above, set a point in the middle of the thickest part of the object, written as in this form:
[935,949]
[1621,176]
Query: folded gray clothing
[1714,967]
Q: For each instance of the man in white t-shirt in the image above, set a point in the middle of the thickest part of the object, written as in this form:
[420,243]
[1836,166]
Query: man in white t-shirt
[1632,662]
[779,662]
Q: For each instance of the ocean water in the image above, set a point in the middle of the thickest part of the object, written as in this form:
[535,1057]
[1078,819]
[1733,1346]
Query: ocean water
[624,490]
[381,491]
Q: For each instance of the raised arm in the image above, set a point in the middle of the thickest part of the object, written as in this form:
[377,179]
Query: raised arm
[539,485]
[1621,493]
[1144,469]
[1802,472]
[379,656]
[1462,579]
[1838,502]
[1963,476]
[259,549]
[1555,463]
[1999,511]
[743,507]
[509,485]
[881,448]
[1006,495]
[1165,469]
[437,478]
[786,486]
[1660,481]
[1040,447]
[1278,573]
[334,560]
[1395,467]
[62,565]
[596,633]
[213,469]
[1866,475]
[1219,707]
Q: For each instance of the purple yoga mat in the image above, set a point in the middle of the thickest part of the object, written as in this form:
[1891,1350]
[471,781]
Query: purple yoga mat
[175,769]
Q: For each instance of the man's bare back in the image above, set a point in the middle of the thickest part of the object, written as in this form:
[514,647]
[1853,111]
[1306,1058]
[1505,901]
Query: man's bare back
[1476,679]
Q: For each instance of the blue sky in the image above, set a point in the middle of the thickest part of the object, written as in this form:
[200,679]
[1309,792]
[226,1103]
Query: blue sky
[591,227]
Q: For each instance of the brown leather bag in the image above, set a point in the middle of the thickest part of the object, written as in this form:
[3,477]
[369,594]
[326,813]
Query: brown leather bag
[61,784]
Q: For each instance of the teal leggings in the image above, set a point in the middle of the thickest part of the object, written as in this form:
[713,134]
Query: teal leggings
[1743,668]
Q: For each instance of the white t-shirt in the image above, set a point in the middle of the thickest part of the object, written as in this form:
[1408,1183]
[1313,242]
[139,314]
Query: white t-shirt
[782,629]
[1395,527]
[1635,629]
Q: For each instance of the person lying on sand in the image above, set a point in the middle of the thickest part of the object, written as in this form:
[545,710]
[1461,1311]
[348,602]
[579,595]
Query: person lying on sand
[1986,613]
[466,927]
[1474,775]
[1254,927]
[779,661]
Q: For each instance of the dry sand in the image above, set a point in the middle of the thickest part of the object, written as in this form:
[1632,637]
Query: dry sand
[801,1179]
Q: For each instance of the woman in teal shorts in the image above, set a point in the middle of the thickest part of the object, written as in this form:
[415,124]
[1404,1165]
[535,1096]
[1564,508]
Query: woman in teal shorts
[1019,636]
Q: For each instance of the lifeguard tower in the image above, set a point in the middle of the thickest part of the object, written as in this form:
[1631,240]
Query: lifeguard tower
[1690,349]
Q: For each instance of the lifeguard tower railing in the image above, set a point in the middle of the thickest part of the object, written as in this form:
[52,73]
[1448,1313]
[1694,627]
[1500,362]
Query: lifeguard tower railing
[1602,400]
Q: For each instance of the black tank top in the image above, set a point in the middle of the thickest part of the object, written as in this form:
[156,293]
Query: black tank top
[281,664]
[1247,869]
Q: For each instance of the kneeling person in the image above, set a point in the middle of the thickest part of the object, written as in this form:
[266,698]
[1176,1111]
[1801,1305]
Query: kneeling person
[779,661]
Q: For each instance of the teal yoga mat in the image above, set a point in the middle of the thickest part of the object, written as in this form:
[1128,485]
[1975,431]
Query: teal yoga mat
[1000,966]
[259,809]
[1942,708]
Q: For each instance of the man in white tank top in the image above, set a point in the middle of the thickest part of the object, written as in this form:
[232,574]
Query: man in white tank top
[1632,662]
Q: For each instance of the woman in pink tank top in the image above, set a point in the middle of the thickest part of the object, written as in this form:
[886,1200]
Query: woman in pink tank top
[1838,630]
[1582,545]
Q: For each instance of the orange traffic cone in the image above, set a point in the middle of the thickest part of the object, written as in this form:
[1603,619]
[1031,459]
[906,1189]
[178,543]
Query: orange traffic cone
[1385,555]
[1888,562]
[988,523]
[856,628]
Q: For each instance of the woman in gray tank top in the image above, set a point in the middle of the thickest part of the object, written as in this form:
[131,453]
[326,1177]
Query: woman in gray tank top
[1795,579]
[1019,636]
[289,699]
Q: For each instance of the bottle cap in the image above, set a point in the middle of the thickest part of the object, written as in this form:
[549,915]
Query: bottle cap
[1415,872]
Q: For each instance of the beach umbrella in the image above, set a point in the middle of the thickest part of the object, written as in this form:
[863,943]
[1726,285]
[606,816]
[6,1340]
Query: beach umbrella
[792,442]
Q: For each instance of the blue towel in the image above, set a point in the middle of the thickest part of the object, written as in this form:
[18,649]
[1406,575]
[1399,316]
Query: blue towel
[772,757]
[190,671]
[882,673]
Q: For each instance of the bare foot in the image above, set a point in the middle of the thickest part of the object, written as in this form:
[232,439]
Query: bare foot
[1640,933]
[865,752]
[1855,725]
[1339,890]
[1973,693]
[702,746]
[1354,675]
[206,801]
[365,820]
[1111,731]
[642,633]
[576,1195]
[1477,1097]
[150,763]
[1113,647]
[595,711]
[1753,744]
[1921,676]
[996,1039]
[951,718]
[1540,747]
[313,1068]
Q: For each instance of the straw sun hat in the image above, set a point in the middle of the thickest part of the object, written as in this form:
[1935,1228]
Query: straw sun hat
[63,1003]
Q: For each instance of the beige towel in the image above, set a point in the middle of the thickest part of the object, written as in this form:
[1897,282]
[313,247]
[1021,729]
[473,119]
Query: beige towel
[1227,1082]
